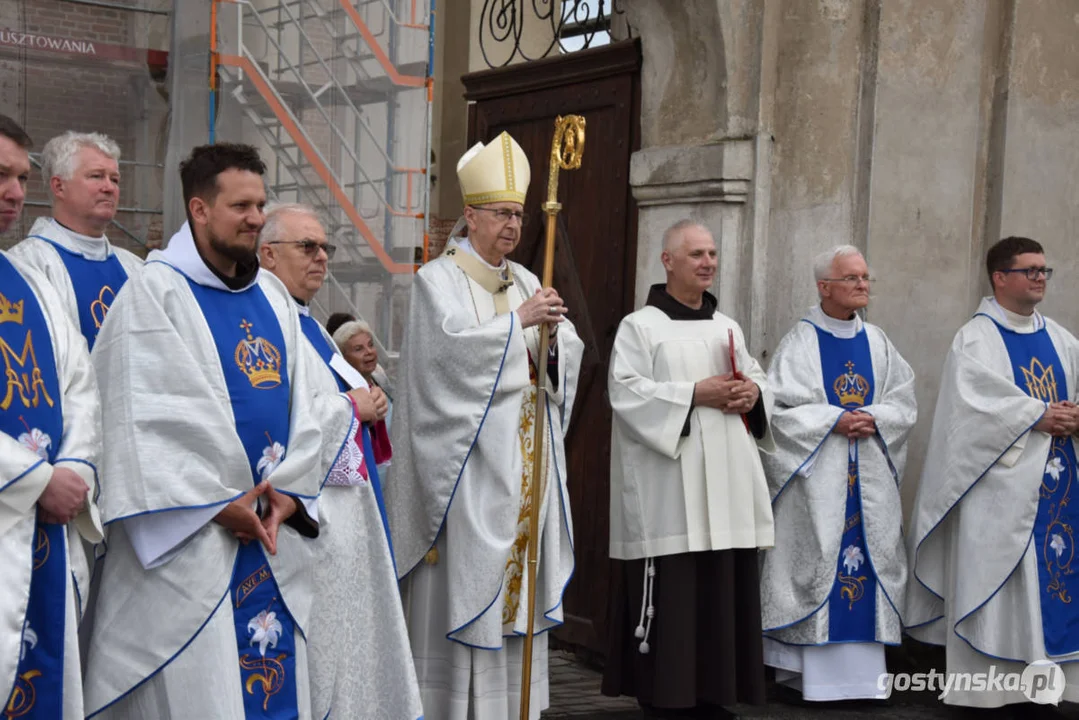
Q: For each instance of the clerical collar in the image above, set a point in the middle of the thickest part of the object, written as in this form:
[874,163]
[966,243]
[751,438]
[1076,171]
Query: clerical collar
[843,329]
[1024,324]
[494,280]
[91,248]
[245,272]
[302,306]
[467,246]
[658,297]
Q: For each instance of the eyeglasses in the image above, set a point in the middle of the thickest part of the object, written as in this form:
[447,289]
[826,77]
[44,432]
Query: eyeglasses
[1032,273]
[310,247]
[505,215]
[851,279]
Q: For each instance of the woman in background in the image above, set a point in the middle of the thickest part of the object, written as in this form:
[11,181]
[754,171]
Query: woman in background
[356,341]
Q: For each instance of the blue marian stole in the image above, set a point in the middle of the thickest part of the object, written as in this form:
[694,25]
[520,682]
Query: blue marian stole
[1039,373]
[847,367]
[30,411]
[96,283]
[252,352]
[326,351]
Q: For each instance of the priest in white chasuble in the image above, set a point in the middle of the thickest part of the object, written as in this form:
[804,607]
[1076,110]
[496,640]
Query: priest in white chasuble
[359,658]
[82,173]
[215,451]
[832,589]
[460,497]
[689,502]
[50,444]
[993,530]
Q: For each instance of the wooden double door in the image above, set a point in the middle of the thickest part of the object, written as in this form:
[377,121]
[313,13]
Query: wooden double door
[595,265]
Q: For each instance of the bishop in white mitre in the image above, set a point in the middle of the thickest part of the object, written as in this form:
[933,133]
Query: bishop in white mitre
[50,442]
[993,529]
[359,658]
[689,503]
[215,452]
[460,496]
[833,588]
[70,247]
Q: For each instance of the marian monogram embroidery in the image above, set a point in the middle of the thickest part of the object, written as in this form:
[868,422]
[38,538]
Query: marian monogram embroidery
[1040,381]
[100,308]
[21,372]
[851,388]
[258,359]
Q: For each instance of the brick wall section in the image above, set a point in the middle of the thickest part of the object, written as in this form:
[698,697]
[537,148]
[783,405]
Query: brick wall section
[58,92]
[438,234]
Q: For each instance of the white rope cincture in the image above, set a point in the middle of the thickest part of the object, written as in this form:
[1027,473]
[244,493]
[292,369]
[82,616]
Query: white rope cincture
[644,629]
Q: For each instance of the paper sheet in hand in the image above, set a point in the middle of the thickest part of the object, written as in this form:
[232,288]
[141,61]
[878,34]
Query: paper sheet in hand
[348,373]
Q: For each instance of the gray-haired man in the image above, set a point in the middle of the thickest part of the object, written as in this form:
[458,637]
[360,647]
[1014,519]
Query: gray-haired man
[82,173]
[832,589]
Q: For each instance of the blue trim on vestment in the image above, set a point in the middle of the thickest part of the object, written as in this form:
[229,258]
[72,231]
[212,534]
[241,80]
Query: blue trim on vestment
[181,507]
[483,419]
[21,475]
[140,683]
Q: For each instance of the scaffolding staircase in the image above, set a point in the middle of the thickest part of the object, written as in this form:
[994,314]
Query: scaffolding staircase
[338,95]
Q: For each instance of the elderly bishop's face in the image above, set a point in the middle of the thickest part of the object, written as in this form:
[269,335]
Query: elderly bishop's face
[494,229]
[299,256]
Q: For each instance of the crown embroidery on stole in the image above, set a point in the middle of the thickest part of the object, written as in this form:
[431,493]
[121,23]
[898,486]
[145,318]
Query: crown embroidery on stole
[852,389]
[258,359]
[10,311]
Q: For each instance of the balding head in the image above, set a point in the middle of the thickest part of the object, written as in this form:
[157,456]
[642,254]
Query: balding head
[689,257]
[675,234]
[292,245]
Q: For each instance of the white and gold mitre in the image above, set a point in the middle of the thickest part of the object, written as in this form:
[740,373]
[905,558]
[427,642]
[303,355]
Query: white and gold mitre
[497,172]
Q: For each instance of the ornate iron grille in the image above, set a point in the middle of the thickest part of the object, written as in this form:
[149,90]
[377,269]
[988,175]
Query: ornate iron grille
[502,25]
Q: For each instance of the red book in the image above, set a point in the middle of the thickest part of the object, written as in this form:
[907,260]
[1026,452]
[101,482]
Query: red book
[734,368]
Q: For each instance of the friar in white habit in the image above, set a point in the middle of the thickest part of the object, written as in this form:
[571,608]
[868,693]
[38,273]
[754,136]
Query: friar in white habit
[689,502]
[82,173]
[50,443]
[359,658]
[460,497]
[993,530]
[833,588]
[215,451]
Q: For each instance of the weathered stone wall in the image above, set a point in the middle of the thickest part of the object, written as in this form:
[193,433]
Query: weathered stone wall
[921,131]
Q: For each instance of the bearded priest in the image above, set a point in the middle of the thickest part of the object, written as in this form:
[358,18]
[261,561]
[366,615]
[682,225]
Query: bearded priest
[689,502]
[832,590]
[459,500]
[216,446]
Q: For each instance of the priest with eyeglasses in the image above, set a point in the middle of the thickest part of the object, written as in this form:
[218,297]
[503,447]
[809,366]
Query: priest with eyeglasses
[463,438]
[832,589]
[993,530]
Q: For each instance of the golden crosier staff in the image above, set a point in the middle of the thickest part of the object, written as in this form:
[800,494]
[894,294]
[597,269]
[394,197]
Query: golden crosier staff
[567,146]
